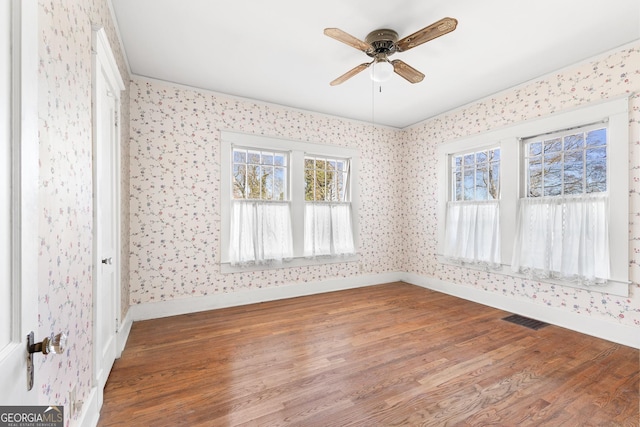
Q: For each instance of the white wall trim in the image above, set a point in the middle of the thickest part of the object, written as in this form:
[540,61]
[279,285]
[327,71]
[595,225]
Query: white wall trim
[156,310]
[90,410]
[610,331]
[122,335]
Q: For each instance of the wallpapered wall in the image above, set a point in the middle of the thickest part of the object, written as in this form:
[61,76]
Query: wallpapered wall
[175,194]
[65,194]
[175,208]
[605,77]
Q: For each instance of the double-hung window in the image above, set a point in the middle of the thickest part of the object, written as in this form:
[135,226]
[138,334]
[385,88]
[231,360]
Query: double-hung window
[260,210]
[563,219]
[472,232]
[327,229]
[286,203]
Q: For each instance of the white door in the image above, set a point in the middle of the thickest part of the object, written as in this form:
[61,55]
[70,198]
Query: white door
[106,196]
[18,197]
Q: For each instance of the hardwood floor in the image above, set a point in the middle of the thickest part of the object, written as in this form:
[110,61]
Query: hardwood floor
[387,355]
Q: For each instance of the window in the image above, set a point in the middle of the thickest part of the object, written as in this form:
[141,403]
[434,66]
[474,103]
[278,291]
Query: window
[570,162]
[260,211]
[476,175]
[563,217]
[472,230]
[328,230]
[260,174]
[286,203]
[559,194]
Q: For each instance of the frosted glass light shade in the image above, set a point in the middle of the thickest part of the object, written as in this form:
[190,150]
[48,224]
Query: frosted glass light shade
[381,70]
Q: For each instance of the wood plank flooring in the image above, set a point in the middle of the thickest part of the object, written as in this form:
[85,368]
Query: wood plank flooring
[387,355]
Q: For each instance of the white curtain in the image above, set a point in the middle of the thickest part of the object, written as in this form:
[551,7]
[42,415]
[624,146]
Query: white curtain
[565,238]
[260,232]
[472,232]
[328,229]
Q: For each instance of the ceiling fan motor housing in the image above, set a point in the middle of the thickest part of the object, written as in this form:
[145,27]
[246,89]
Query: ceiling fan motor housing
[382,41]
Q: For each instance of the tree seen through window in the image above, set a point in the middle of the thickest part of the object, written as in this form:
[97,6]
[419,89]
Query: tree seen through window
[259,175]
[567,164]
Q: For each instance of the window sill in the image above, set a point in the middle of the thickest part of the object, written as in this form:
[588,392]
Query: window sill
[613,287]
[227,268]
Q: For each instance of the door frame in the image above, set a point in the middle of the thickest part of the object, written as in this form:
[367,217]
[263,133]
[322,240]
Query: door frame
[24,202]
[103,59]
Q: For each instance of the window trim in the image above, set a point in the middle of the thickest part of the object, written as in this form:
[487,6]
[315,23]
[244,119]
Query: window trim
[509,139]
[297,151]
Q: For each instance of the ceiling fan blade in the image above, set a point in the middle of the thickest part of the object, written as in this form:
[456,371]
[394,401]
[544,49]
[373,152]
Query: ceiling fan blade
[341,36]
[352,72]
[407,71]
[435,30]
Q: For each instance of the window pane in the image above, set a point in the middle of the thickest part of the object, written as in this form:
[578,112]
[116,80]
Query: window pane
[494,181]
[267,158]
[469,185]
[553,174]
[481,157]
[279,160]
[597,138]
[331,165]
[535,148]
[457,160]
[239,156]
[573,172]
[553,145]
[320,164]
[468,159]
[596,169]
[482,178]
[494,155]
[254,175]
[279,184]
[535,177]
[330,187]
[340,179]
[254,157]
[239,179]
[573,142]
[458,185]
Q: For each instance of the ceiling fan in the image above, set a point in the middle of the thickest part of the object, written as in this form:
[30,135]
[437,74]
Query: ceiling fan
[380,44]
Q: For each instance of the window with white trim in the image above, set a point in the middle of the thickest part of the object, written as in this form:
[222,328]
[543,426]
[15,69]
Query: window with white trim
[286,203]
[472,230]
[577,178]
[562,228]
[328,230]
[260,211]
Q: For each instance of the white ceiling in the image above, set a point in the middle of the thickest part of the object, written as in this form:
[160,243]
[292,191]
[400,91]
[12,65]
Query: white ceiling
[275,50]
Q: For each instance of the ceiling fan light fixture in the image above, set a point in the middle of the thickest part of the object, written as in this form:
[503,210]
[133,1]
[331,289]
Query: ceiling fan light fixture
[381,70]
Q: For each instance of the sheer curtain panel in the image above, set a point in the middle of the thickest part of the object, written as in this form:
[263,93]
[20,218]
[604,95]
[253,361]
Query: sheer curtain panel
[328,230]
[564,238]
[472,232]
[260,232]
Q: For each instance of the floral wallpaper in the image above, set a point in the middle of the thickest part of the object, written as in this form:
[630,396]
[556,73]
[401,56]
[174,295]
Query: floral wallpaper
[175,167]
[170,187]
[65,191]
[605,77]
[175,194]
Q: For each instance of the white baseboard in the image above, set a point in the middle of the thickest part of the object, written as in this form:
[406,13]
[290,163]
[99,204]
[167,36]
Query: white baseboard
[90,410]
[123,334]
[610,331]
[157,310]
